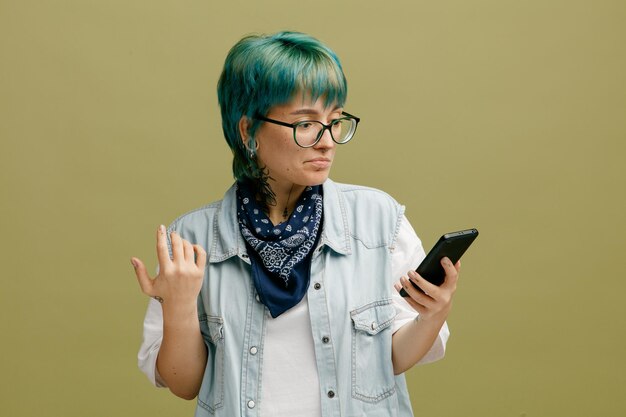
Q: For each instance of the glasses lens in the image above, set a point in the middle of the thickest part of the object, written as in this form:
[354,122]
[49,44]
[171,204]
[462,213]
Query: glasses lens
[343,130]
[307,133]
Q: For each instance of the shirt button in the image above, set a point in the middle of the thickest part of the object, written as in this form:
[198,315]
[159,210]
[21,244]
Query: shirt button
[254,350]
[373,325]
[258,298]
[317,286]
[325,339]
[331,394]
[244,256]
[251,404]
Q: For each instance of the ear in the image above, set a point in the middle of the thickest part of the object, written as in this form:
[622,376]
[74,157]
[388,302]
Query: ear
[244,125]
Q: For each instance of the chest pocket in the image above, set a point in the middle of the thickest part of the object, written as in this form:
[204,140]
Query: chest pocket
[372,369]
[211,396]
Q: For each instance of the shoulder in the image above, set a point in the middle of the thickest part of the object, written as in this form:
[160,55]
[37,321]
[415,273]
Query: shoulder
[199,224]
[197,216]
[366,197]
[371,215]
[207,212]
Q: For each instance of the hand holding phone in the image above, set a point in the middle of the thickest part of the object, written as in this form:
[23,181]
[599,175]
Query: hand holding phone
[452,245]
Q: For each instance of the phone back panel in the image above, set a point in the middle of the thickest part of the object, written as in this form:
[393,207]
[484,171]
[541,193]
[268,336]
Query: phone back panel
[453,245]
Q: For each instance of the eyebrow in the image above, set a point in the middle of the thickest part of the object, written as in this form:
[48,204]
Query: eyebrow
[310,111]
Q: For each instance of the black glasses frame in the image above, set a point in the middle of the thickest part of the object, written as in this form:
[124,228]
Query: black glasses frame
[294,126]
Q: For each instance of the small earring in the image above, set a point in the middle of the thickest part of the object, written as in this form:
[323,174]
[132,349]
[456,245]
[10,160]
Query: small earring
[253,152]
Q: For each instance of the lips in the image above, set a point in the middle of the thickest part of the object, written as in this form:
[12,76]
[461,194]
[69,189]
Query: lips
[320,163]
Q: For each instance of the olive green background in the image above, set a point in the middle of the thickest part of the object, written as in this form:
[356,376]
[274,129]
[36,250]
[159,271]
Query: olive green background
[508,116]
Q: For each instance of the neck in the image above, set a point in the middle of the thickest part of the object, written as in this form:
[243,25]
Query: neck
[286,198]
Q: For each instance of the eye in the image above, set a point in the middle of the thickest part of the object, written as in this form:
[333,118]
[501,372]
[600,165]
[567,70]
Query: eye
[305,125]
[336,123]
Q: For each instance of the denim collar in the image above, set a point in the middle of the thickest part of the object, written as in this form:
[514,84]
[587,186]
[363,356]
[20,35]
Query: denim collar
[228,242]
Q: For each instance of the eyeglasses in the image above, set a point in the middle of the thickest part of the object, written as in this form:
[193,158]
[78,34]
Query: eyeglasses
[307,133]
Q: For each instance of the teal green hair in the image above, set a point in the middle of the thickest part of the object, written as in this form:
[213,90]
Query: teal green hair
[268,70]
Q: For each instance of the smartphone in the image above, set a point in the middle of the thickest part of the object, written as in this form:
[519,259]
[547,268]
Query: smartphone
[453,245]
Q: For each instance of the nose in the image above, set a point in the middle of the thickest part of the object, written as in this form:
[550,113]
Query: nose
[326,141]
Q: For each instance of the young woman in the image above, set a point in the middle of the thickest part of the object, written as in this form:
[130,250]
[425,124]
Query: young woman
[282,298]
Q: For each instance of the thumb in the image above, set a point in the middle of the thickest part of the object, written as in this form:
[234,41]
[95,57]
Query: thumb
[145,282]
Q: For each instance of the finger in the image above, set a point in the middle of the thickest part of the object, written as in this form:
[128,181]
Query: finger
[145,282]
[398,288]
[177,247]
[200,256]
[414,294]
[457,266]
[163,253]
[428,287]
[412,303]
[452,275]
[188,250]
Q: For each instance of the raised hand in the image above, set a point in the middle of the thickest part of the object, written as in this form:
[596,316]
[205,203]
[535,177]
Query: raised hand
[180,277]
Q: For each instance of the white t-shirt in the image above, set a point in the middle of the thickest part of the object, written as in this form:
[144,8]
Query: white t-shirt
[288,342]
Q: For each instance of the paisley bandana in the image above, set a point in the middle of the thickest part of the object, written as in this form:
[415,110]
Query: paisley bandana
[281,254]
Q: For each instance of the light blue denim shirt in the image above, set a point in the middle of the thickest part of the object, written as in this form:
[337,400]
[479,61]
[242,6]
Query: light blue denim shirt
[349,298]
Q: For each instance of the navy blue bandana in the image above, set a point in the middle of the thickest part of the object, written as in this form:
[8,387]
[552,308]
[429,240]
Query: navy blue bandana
[281,254]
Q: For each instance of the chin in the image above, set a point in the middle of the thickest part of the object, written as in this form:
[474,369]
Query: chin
[316,178]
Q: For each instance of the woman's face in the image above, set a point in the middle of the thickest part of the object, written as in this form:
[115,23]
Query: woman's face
[287,163]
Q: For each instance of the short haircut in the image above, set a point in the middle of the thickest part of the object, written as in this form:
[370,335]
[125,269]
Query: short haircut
[262,71]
